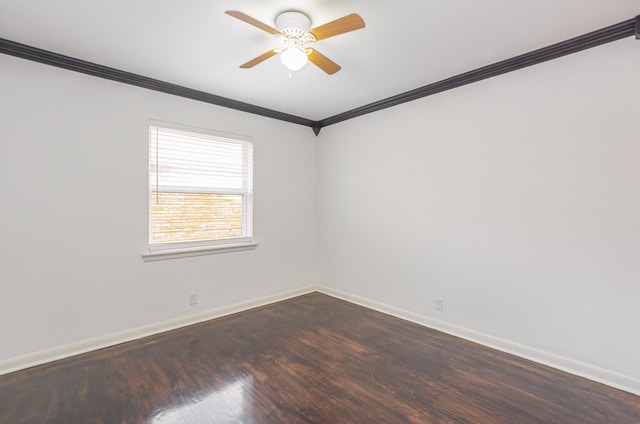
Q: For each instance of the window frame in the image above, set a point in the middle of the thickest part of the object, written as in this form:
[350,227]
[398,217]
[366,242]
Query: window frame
[158,251]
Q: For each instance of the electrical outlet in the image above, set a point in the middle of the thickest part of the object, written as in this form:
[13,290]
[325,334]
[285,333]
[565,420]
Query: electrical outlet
[439,304]
[193,298]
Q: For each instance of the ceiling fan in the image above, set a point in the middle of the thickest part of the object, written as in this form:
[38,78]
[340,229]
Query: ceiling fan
[293,29]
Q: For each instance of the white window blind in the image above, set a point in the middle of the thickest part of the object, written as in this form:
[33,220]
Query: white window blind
[200,188]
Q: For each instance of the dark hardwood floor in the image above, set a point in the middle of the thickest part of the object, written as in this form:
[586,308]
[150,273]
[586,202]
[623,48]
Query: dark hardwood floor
[312,359]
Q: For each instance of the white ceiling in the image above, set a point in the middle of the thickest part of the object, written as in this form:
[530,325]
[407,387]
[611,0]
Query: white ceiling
[406,43]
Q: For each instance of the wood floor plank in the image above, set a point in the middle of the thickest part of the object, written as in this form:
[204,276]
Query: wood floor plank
[311,359]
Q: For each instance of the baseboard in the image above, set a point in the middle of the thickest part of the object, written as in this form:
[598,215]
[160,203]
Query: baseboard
[65,351]
[600,375]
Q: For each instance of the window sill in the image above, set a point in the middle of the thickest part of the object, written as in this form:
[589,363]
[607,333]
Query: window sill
[161,255]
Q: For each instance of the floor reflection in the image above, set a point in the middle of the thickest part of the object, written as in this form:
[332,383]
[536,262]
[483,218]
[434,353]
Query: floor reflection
[225,405]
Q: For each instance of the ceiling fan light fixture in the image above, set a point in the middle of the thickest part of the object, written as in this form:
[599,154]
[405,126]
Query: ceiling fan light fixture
[293,58]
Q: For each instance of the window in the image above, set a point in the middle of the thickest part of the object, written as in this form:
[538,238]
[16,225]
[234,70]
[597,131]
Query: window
[200,188]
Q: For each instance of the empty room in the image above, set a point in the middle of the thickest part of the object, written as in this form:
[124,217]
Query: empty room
[319,211]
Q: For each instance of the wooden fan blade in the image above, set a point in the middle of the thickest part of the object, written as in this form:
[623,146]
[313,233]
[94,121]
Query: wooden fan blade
[323,62]
[339,26]
[259,59]
[251,21]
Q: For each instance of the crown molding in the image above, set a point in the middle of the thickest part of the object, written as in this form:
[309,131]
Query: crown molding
[554,51]
[78,65]
[605,35]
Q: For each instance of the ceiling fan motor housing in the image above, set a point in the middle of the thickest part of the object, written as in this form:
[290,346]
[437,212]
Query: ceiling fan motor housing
[293,20]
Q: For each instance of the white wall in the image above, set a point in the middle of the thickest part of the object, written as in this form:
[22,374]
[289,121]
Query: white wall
[73,210]
[516,199]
